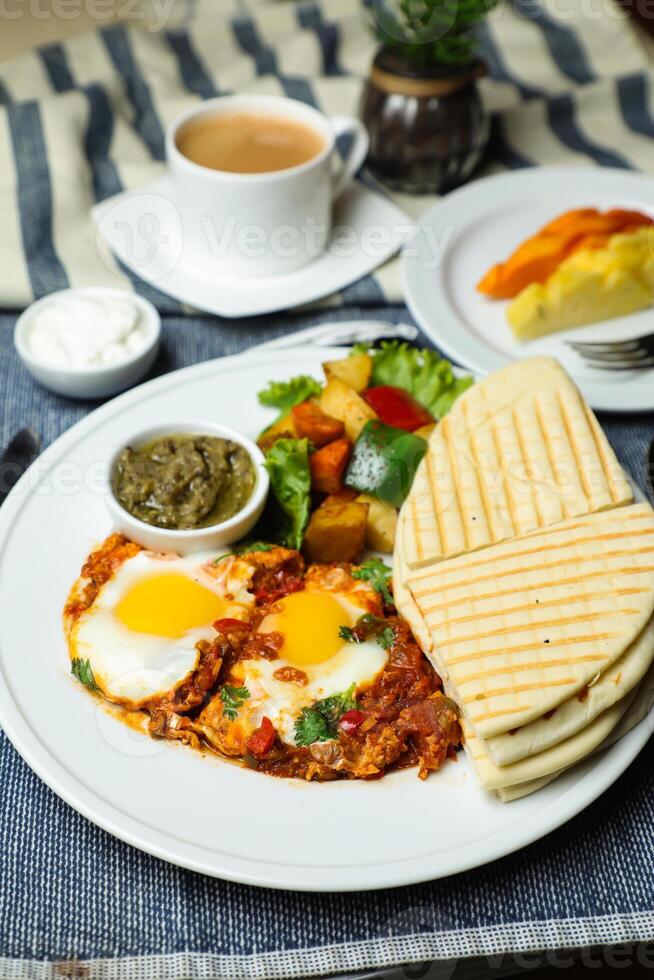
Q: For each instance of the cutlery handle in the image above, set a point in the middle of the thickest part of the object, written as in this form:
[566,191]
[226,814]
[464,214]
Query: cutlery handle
[17,457]
[335,334]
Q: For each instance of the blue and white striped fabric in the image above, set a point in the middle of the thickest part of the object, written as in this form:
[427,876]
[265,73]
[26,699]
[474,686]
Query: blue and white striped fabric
[570,83]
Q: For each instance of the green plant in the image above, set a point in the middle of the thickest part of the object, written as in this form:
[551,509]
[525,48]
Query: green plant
[431,32]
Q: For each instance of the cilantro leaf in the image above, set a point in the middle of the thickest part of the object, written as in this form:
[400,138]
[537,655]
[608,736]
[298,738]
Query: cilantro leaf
[245,548]
[420,371]
[347,633]
[319,722]
[369,627]
[81,669]
[361,347]
[285,395]
[232,699]
[386,638]
[287,463]
[378,575]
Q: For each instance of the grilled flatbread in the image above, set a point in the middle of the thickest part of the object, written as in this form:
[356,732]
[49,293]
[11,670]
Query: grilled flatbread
[553,760]
[579,711]
[525,625]
[639,708]
[520,450]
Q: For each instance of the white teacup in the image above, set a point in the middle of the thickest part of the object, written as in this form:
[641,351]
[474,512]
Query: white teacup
[262,224]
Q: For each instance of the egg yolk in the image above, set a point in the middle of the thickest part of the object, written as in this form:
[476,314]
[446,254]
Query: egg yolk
[309,623]
[168,605]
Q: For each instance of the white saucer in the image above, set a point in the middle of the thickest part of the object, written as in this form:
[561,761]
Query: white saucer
[143,229]
[481,224]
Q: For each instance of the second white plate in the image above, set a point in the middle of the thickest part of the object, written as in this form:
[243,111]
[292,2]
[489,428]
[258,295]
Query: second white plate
[468,231]
[143,228]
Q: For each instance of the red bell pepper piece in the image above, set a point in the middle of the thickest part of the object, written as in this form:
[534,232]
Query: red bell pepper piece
[351,720]
[262,739]
[396,407]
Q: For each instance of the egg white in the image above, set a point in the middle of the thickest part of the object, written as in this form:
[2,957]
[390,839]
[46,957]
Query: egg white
[282,701]
[133,666]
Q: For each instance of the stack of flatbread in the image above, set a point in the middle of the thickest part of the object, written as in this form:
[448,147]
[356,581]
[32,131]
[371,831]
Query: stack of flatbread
[527,574]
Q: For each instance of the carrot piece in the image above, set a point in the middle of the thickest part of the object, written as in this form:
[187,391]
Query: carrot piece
[328,466]
[315,425]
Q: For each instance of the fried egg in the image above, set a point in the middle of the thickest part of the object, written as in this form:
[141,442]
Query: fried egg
[141,632]
[314,662]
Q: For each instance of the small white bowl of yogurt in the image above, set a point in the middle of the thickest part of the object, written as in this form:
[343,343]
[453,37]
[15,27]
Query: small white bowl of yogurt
[89,342]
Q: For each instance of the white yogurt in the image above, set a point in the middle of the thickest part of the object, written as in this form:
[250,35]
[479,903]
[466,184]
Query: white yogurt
[87,331]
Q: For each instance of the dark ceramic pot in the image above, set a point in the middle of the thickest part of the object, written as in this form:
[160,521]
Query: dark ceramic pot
[428,128]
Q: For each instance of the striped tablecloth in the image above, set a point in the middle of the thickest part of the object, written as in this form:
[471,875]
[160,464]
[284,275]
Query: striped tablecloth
[570,84]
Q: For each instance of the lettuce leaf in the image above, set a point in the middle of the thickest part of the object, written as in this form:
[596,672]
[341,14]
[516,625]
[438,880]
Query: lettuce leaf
[285,395]
[420,371]
[287,463]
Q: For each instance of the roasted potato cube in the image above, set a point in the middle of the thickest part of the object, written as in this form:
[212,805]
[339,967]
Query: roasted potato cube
[381,524]
[337,530]
[354,371]
[341,401]
[284,428]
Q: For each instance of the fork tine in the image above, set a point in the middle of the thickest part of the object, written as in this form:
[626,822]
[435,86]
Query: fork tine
[609,355]
[617,346]
[631,365]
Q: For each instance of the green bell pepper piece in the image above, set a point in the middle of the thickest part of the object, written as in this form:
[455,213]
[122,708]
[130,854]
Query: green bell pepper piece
[384,462]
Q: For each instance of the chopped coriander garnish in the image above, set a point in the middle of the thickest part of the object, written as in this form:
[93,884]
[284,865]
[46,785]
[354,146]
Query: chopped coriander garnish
[347,633]
[369,627]
[81,669]
[386,638]
[245,548]
[232,699]
[319,722]
[378,575]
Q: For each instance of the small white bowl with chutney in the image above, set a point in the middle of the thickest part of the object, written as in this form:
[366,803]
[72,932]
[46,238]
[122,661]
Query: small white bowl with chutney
[88,342]
[137,516]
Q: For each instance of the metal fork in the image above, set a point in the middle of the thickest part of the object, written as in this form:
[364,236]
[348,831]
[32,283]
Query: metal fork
[618,355]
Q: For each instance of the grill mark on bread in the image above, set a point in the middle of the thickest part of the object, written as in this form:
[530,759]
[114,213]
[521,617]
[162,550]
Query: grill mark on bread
[516,689]
[483,493]
[548,624]
[416,537]
[541,585]
[527,648]
[573,559]
[640,515]
[455,482]
[575,449]
[593,425]
[507,490]
[500,712]
[540,665]
[436,504]
[526,462]
[530,606]
[550,456]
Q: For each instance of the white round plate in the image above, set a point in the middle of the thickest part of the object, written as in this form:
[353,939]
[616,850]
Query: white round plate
[208,814]
[470,230]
